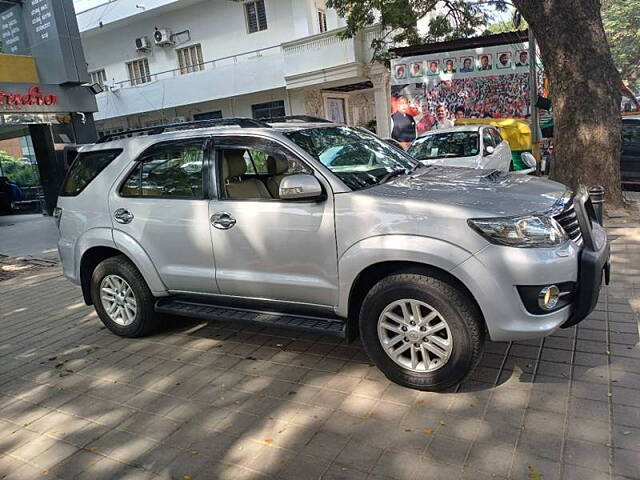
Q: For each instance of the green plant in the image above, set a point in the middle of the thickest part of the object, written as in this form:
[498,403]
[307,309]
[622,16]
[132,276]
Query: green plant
[19,170]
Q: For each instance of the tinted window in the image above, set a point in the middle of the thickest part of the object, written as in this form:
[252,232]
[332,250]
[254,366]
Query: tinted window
[443,145]
[631,133]
[487,138]
[86,167]
[170,170]
[497,138]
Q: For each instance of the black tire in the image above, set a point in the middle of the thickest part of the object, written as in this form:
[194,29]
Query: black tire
[145,319]
[456,308]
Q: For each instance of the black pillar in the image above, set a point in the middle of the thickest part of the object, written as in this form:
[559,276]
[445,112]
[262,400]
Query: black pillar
[84,128]
[51,171]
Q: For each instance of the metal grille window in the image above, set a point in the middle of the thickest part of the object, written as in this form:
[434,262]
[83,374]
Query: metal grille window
[99,77]
[322,20]
[190,59]
[268,110]
[139,72]
[256,16]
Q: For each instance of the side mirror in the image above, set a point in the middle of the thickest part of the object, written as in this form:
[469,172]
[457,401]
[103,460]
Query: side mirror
[528,159]
[489,150]
[300,186]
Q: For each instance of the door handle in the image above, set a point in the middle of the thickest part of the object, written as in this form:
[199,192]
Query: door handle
[223,220]
[122,215]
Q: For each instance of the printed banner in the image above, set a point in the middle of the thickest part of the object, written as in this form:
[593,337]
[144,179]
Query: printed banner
[475,83]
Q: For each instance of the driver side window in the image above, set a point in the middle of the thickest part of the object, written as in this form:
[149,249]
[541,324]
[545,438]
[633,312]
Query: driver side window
[487,140]
[252,169]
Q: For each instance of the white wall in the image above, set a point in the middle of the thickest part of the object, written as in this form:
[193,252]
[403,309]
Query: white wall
[218,25]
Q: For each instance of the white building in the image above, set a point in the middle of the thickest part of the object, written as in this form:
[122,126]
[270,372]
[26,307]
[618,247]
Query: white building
[175,60]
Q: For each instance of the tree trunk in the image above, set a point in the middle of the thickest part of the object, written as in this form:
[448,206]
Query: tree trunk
[585,91]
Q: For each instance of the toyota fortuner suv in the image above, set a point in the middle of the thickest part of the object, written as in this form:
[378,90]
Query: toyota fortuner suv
[301,223]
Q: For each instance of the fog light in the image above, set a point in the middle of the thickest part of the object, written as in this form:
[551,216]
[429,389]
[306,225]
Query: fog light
[548,297]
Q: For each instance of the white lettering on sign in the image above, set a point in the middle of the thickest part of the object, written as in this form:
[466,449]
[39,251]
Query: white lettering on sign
[11,31]
[41,17]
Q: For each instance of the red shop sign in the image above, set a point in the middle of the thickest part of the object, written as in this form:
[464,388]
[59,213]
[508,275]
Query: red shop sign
[32,98]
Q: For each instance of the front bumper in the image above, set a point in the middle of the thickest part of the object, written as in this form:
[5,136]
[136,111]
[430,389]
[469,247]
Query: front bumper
[594,262]
[494,274]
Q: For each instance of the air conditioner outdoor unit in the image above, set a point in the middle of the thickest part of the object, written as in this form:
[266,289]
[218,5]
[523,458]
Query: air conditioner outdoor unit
[143,44]
[179,120]
[162,37]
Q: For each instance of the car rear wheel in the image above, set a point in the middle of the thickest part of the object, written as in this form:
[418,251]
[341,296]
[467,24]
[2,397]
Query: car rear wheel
[122,298]
[421,331]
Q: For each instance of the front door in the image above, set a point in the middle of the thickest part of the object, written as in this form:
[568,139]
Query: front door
[268,248]
[162,206]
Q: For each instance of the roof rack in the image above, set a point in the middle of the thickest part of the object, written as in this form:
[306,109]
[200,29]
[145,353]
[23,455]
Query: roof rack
[296,118]
[215,122]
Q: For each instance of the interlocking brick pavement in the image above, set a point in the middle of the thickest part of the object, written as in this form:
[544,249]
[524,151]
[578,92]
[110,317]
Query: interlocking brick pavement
[212,400]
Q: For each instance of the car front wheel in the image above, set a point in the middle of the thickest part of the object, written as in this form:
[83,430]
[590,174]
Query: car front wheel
[122,298]
[421,331]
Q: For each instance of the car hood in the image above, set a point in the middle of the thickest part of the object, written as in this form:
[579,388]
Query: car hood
[469,162]
[481,192]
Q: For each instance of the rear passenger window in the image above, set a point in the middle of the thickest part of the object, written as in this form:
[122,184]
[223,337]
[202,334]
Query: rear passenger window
[170,170]
[85,168]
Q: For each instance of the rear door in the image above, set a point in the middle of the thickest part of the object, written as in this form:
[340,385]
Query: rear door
[161,204]
[630,155]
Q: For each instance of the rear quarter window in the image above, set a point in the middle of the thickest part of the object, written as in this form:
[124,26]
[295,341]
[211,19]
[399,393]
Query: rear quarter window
[85,168]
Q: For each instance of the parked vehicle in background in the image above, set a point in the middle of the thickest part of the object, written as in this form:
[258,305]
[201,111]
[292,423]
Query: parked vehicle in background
[322,227]
[630,154]
[472,146]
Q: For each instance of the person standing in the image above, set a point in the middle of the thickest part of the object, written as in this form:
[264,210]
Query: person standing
[442,118]
[427,120]
[403,125]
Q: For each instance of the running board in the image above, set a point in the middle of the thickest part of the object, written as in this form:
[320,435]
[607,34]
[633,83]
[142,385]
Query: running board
[333,326]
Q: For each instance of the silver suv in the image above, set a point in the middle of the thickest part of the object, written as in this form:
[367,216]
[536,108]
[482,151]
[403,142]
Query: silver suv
[306,224]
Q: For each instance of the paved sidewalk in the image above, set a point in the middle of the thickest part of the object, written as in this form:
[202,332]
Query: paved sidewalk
[202,400]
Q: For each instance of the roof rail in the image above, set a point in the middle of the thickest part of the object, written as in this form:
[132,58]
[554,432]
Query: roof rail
[214,122]
[296,118]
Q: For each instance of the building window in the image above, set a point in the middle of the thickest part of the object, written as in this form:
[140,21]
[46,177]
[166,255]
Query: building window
[208,115]
[139,72]
[190,59]
[322,20]
[256,16]
[99,77]
[268,110]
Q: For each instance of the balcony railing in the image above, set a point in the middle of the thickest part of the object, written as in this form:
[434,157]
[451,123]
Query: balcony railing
[328,50]
[199,67]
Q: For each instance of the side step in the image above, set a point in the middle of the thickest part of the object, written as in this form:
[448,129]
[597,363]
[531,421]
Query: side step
[333,326]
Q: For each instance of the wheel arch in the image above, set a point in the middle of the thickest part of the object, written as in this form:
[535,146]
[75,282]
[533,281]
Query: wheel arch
[126,246]
[377,271]
[91,258]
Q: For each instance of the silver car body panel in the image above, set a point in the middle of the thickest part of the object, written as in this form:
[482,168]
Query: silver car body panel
[313,252]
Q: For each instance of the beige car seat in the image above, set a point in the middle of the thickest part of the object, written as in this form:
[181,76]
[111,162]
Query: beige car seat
[276,167]
[233,167]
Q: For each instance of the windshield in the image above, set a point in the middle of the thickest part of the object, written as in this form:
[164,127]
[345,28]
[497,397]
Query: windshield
[358,158]
[444,145]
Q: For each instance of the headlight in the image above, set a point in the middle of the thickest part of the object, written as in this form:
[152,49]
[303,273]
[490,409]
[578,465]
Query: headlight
[525,231]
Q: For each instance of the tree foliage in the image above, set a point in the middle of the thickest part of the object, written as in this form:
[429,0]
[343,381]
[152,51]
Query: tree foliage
[19,170]
[622,23]
[447,19]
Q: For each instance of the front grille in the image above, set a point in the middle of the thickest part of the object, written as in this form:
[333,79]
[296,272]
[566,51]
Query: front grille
[569,222]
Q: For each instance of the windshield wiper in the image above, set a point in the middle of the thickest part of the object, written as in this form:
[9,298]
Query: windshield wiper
[392,174]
